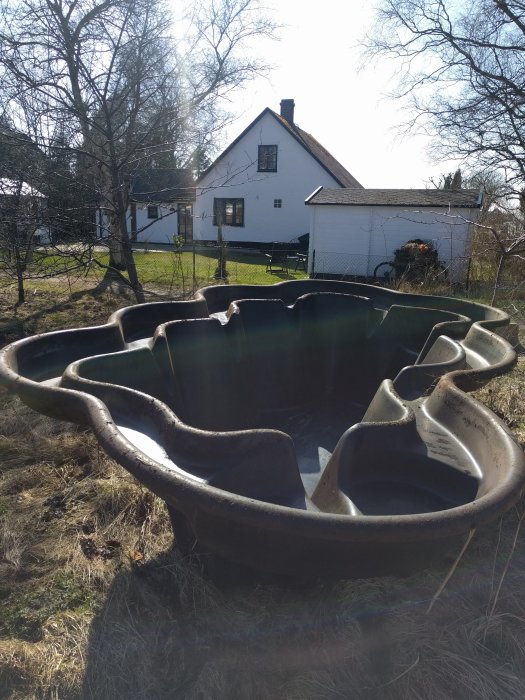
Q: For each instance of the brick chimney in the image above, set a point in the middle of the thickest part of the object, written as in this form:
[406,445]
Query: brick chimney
[287,107]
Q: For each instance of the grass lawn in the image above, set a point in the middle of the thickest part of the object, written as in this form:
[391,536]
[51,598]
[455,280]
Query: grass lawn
[177,269]
[180,270]
[96,604]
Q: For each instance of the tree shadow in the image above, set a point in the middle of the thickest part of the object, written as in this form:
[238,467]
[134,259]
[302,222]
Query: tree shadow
[165,631]
[21,326]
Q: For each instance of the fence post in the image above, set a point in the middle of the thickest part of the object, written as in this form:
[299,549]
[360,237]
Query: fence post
[467,280]
[193,266]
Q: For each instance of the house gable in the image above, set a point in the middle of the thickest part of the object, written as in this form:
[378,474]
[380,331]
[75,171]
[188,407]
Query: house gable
[311,146]
[257,186]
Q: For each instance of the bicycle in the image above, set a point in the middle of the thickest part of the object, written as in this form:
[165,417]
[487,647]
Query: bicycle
[386,271]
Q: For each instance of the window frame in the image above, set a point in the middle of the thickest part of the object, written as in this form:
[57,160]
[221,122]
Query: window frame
[237,215]
[153,211]
[278,203]
[266,159]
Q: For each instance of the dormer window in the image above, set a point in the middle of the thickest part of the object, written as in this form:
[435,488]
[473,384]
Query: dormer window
[267,162]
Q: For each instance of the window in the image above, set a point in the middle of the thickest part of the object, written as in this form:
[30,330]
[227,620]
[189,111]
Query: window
[277,203]
[153,211]
[228,212]
[267,159]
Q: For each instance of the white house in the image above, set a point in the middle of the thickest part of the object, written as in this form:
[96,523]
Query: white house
[257,186]
[353,230]
[160,206]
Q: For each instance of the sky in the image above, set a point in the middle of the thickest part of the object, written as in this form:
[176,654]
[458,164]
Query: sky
[316,62]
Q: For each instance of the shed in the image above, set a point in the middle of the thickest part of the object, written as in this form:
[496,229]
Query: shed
[353,230]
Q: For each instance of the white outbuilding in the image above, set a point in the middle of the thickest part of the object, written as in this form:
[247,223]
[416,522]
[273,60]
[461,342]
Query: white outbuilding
[353,230]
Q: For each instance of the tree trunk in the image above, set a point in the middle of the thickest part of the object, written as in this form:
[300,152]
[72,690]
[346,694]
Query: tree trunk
[116,253]
[20,278]
[122,238]
[133,211]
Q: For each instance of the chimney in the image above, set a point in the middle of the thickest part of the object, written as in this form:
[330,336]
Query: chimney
[287,107]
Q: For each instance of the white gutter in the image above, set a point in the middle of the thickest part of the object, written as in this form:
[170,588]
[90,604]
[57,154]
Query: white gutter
[307,200]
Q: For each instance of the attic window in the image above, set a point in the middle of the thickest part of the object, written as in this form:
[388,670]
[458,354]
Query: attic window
[153,211]
[267,159]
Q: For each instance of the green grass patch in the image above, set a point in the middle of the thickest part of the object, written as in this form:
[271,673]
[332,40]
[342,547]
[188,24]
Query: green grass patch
[26,610]
[182,270]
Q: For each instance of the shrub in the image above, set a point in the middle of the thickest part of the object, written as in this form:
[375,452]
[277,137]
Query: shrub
[416,260]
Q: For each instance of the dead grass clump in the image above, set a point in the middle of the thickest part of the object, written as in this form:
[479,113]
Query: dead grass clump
[53,304]
[25,434]
[504,396]
[121,523]
[58,491]
[461,649]
[50,668]
[12,544]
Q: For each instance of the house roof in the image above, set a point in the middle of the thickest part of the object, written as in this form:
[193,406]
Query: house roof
[470,199]
[163,185]
[311,145]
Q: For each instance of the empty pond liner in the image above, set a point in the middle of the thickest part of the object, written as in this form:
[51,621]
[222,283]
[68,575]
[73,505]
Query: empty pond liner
[311,428]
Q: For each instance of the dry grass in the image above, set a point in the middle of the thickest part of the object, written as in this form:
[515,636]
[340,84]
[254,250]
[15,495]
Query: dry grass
[96,604]
[505,396]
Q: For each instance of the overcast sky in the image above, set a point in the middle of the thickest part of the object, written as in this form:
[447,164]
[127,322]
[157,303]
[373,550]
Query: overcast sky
[316,63]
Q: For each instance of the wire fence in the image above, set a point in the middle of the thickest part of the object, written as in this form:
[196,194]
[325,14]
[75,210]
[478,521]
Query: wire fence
[352,266]
[473,274]
[193,267]
[180,271]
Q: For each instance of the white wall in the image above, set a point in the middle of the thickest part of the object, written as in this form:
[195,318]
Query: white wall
[42,236]
[159,230]
[236,176]
[352,240]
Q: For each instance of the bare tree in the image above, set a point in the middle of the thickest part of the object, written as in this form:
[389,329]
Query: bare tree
[113,69]
[20,219]
[462,67]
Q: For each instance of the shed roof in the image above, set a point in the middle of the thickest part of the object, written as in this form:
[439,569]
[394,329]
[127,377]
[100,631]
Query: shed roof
[470,199]
[307,141]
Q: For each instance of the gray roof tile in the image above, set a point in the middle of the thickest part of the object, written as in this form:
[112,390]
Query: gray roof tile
[320,153]
[352,196]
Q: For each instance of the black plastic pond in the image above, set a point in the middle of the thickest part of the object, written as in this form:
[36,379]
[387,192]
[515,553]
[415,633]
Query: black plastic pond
[304,428]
